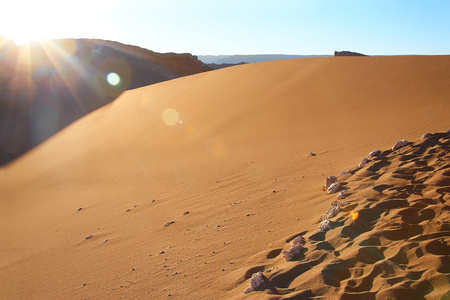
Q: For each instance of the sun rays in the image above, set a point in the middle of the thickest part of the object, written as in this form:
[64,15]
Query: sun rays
[51,83]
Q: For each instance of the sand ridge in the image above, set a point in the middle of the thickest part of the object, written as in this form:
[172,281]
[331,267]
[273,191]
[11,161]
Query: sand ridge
[399,245]
[237,162]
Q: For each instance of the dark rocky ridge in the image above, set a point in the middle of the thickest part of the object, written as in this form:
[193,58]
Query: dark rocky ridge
[46,85]
[347,53]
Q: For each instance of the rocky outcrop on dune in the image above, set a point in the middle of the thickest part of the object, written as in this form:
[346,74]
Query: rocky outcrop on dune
[390,241]
[46,85]
[347,53]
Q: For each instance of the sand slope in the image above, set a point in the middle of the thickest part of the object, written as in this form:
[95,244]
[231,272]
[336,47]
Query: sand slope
[235,177]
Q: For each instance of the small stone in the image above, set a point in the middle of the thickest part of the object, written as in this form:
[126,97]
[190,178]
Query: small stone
[161,252]
[374,153]
[363,162]
[153,200]
[324,225]
[84,284]
[345,172]
[186,213]
[128,210]
[169,223]
[80,209]
[89,237]
[312,154]
[399,144]
[105,240]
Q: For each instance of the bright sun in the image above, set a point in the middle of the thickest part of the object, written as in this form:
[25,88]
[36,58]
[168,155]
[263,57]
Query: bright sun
[26,20]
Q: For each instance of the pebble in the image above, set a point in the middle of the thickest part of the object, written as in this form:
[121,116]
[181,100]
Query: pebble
[89,236]
[161,252]
[169,223]
[80,209]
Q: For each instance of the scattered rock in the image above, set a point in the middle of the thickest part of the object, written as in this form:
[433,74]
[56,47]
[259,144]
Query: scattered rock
[340,204]
[169,223]
[426,135]
[363,162]
[161,252]
[331,212]
[89,236]
[399,144]
[296,247]
[374,153]
[312,154]
[345,172]
[257,283]
[105,240]
[324,225]
[333,187]
[341,195]
[329,181]
[186,213]
[80,209]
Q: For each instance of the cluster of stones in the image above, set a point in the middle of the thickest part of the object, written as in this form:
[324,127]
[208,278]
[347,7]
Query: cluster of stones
[296,247]
[330,213]
[331,184]
[257,283]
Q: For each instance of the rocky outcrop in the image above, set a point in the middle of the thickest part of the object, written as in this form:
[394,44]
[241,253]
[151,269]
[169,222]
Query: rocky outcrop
[46,85]
[347,53]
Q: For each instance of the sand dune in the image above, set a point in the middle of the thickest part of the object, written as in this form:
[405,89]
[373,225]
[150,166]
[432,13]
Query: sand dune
[224,155]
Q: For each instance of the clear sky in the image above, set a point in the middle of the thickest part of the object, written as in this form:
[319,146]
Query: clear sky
[374,27]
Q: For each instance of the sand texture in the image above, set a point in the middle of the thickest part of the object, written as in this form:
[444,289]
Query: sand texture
[186,188]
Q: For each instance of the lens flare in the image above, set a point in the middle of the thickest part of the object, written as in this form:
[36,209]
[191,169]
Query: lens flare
[170,116]
[113,79]
[355,216]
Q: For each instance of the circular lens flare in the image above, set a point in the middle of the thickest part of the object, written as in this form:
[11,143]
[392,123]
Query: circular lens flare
[113,79]
[170,117]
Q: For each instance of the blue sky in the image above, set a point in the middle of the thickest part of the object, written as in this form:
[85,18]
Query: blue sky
[374,27]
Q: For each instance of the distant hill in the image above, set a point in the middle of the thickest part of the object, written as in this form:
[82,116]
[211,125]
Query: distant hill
[236,59]
[46,85]
[348,53]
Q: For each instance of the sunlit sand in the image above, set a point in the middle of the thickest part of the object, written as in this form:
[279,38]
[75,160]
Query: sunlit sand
[223,158]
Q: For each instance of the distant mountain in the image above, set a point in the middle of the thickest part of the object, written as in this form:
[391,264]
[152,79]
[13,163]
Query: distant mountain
[236,59]
[46,85]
